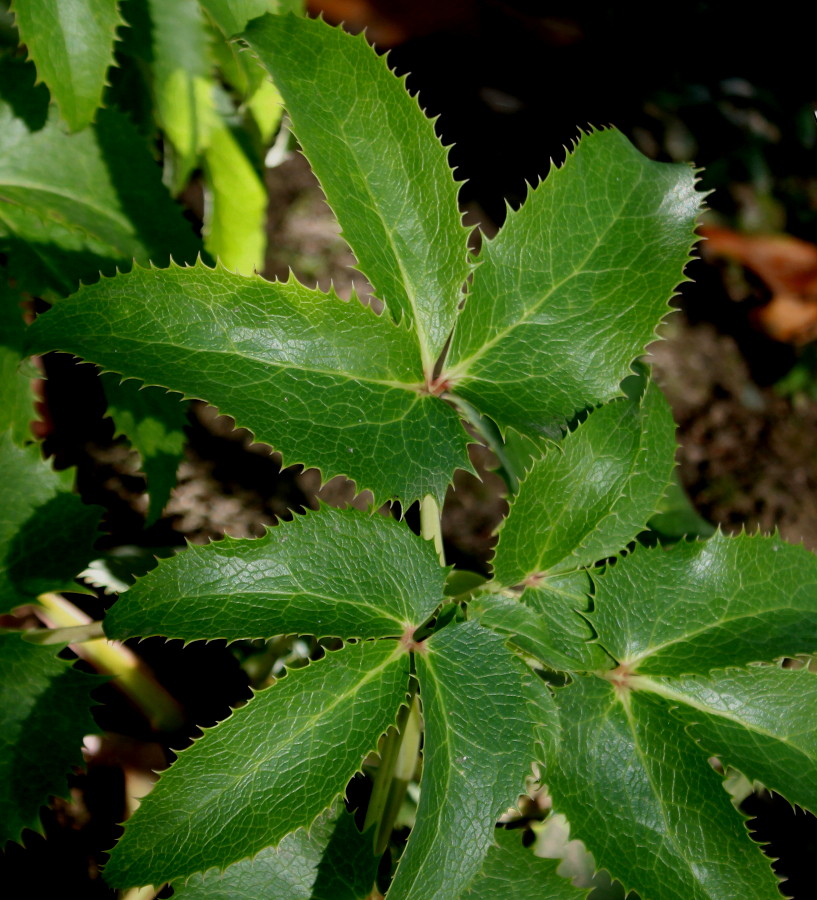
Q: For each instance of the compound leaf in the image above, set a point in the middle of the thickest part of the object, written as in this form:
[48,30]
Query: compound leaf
[574,285]
[759,720]
[71,43]
[44,714]
[512,870]
[332,861]
[277,585]
[269,769]
[588,496]
[694,607]
[642,796]
[331,383]
[46,532]
[380,164]
[479,716]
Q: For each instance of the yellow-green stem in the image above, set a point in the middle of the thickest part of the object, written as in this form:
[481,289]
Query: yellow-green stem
[130,674]
[431,525]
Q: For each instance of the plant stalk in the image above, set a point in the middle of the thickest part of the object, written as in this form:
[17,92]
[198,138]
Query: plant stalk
[398,761]
[130,674]
[431,524]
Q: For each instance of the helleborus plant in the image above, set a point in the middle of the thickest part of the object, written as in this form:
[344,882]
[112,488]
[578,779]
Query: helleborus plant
[613,671]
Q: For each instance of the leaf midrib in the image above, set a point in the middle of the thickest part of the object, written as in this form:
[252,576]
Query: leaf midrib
[635,661]
[668,831]
[461,369]
[410,387]
[308,725]
[662,689]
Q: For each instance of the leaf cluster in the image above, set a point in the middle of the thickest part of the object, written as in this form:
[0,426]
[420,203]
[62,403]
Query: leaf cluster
[617,670]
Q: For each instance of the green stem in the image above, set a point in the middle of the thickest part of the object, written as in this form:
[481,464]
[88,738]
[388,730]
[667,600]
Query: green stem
[398,760]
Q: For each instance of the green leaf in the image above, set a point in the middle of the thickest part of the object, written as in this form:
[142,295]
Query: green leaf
[332,861]
[44,715]
[591,494]
[512,870]
[236,211]
[710,604]
[102,206]
[268,770]
[547,631]
[16,394]
[182,86]
[71,43]
[154,423]
[46,532]
[335,384]
[273,585]
[478,712]
[573,287]
[642,796]
[232,16]
[759,720]
[381,166]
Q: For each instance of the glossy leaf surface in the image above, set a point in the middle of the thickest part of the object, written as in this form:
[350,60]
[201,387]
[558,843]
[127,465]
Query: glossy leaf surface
[46,532]
[669,829]
[272,585]
[295,366]
[592,493]
[333,861]
[381,166]
[699,606]
[44,716]
[760,720]
[573,287]
[479,720]
[71,43]
[248,783]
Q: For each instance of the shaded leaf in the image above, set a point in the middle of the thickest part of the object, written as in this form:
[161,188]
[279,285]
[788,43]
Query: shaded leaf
[295,366]
[479,717]
[709,604]
[71,42]
[46,532]
[669,830]
[381,166]
[275,585]
[588,496]
[154,423]
[16,393]
[182,86]
[102,206]
[333,861]
[512,870]
[558,638]
[44,715]
[268,770]
[572,288]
